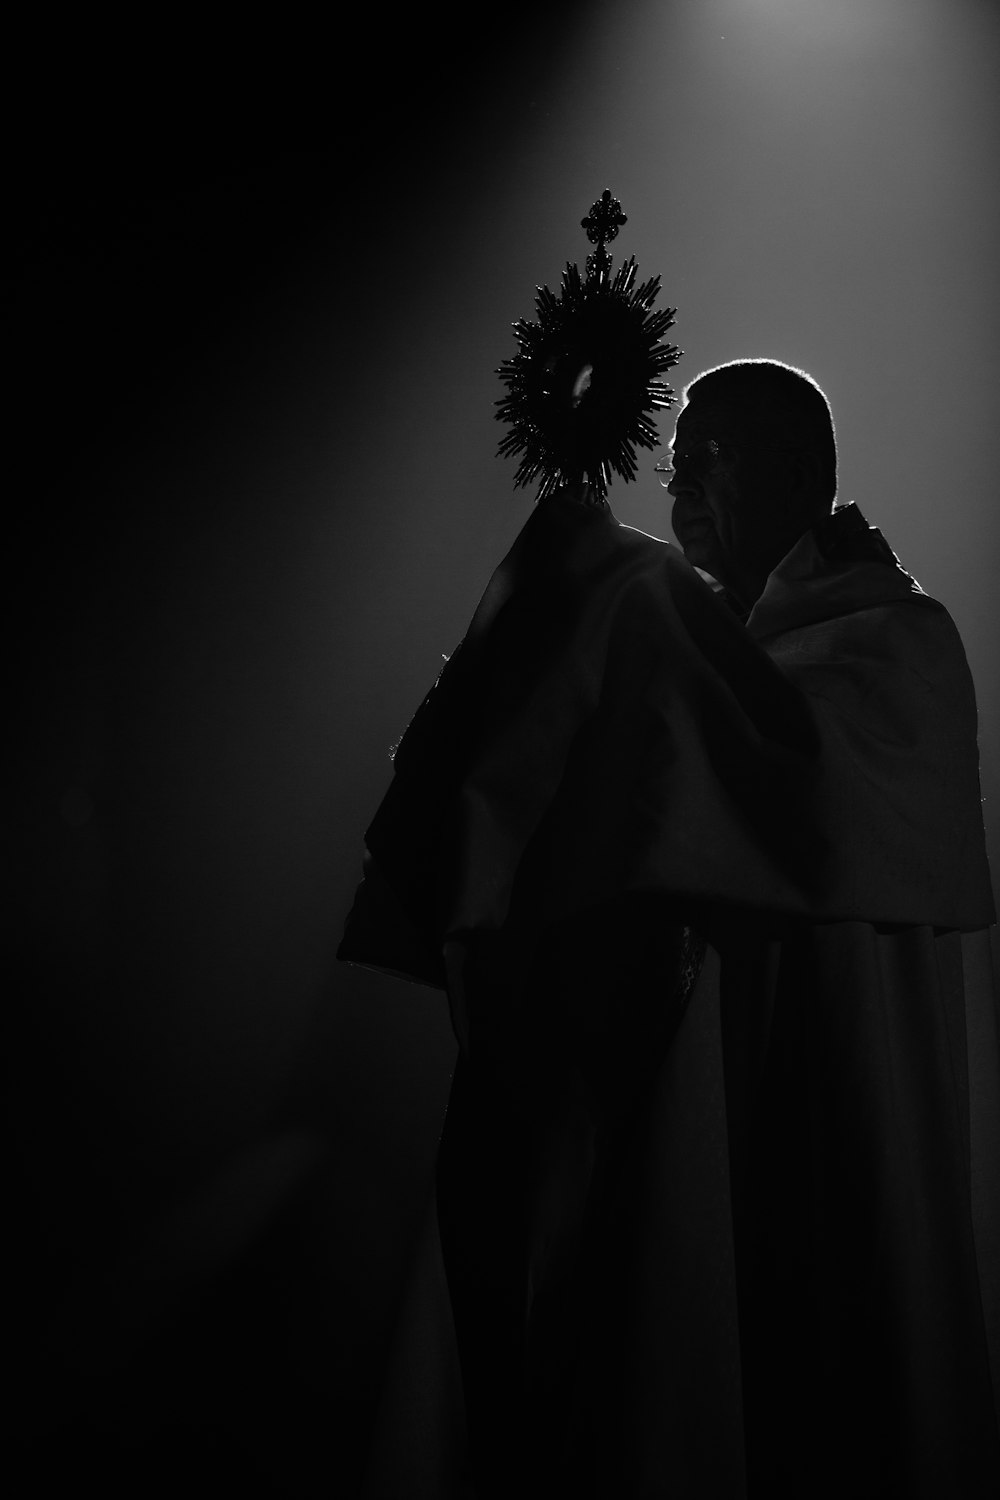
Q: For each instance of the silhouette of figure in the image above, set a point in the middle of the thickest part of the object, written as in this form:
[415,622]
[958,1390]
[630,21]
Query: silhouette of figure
[693,841]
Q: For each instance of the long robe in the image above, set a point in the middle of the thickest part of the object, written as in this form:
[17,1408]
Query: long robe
[717,1184]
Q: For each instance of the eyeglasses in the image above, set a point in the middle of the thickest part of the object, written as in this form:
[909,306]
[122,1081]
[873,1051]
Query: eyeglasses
[700,460]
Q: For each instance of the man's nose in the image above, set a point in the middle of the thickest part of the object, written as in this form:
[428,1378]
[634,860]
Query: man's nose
[683,483]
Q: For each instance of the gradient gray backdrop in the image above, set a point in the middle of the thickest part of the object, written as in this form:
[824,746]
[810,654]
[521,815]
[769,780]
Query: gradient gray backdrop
[258,501]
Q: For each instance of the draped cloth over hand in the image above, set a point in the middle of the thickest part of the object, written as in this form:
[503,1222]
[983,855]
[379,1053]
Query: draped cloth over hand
[718,1181]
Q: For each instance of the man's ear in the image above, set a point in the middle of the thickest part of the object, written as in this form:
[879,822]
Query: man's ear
[798,480]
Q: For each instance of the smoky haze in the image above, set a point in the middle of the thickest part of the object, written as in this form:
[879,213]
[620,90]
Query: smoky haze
[256,501]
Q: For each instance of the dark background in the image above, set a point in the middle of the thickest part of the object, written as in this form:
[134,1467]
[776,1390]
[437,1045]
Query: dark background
[253,324]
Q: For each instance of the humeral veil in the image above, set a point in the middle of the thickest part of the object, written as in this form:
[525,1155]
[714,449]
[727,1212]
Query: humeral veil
[718,1185]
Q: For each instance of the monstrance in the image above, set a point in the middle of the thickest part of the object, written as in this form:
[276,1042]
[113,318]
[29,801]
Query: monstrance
[586,378]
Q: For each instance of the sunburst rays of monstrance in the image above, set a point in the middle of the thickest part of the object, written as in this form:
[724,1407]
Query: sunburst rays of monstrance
[586,379]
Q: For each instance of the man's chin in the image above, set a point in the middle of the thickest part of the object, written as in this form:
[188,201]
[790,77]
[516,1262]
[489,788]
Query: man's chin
[698,552]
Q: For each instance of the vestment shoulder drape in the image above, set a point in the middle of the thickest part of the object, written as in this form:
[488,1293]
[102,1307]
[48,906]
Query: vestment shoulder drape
[608,725]
[774,1238]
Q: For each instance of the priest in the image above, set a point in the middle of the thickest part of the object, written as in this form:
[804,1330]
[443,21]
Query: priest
[692,839]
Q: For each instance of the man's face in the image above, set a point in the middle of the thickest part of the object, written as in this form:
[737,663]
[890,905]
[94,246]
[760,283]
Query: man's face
[710,516]
[741,495]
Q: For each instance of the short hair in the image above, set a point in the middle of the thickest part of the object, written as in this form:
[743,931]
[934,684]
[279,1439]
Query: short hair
[780,401]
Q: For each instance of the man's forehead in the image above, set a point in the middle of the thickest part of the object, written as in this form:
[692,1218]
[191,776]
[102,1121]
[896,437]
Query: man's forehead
[698,421]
